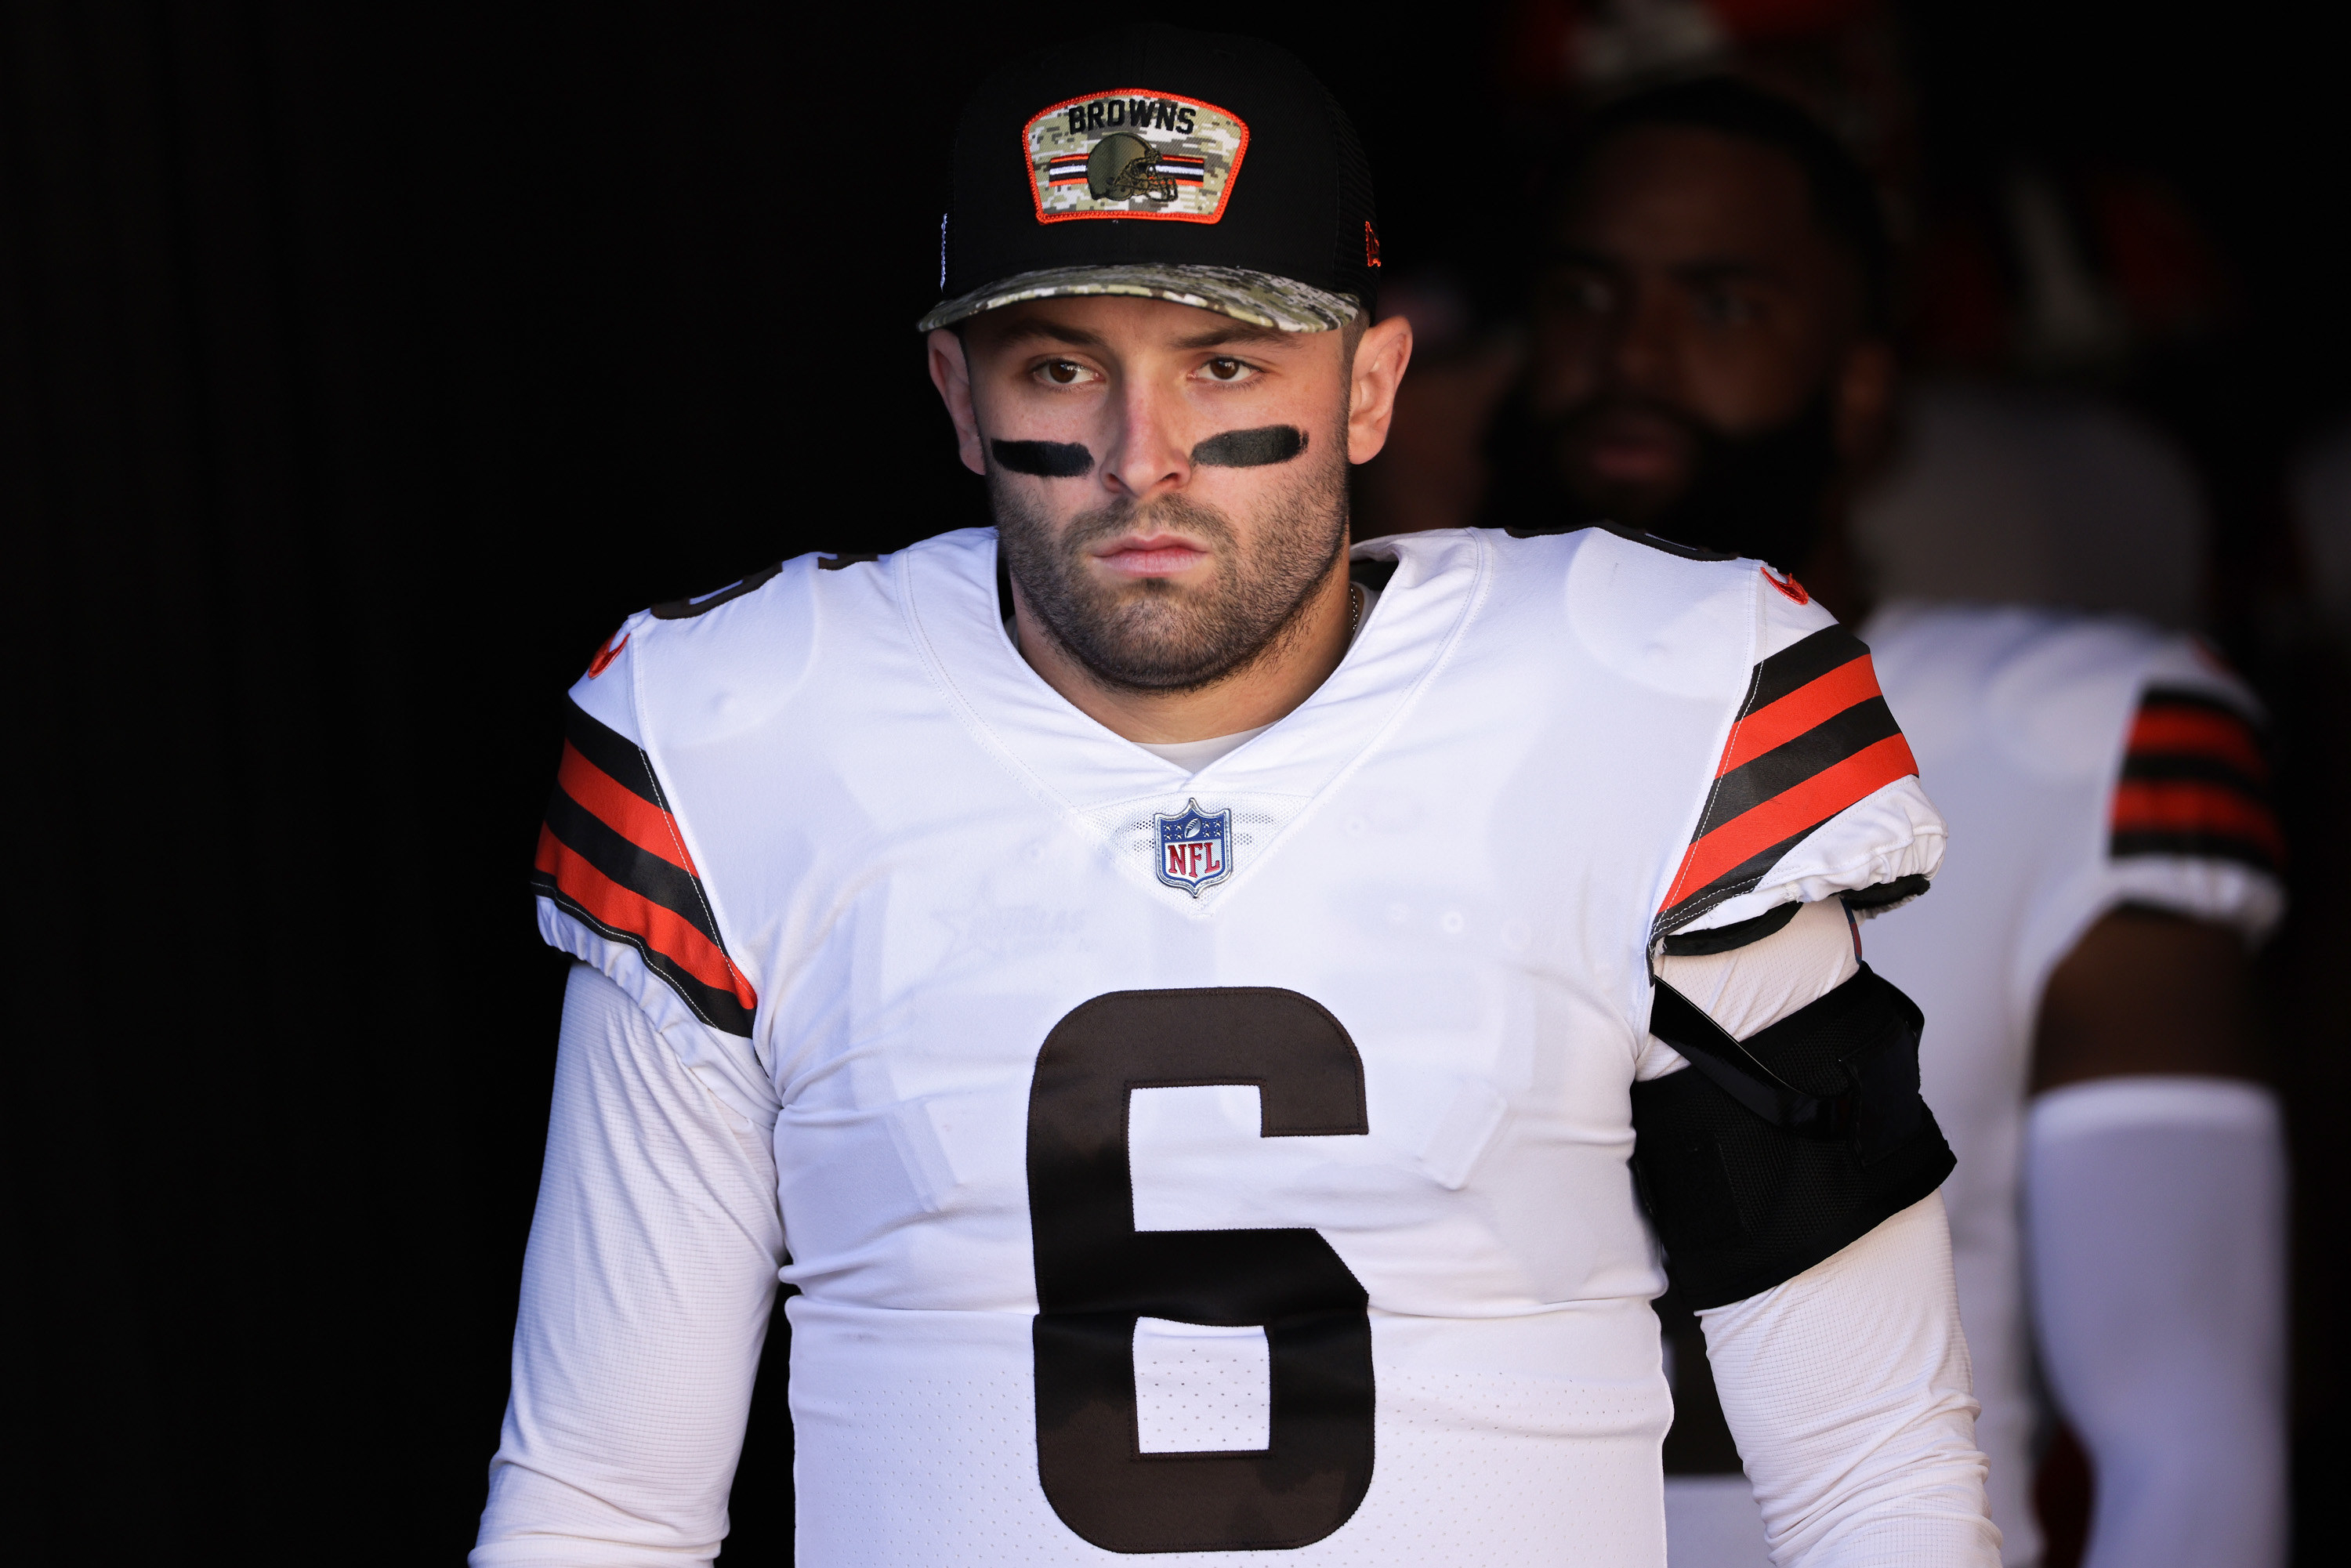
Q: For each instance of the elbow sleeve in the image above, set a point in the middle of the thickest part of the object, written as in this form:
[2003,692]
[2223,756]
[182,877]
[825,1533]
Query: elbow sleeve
[2156,1216]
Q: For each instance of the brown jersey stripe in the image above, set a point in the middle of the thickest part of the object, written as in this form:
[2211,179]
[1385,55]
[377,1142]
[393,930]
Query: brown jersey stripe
[702,976]
[1777,723]
[621,759]
[610,853]
[2226,773]
[1813,737]
[1716,861]
[2170,816]
[1741,878]
[624,910]
[646,874]
[2195,784]
[2175,723]
[1801,664]
[623,809]
[1792,765]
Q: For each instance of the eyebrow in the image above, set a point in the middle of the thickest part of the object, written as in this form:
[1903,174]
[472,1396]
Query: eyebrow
[1232,331]
[1052,331]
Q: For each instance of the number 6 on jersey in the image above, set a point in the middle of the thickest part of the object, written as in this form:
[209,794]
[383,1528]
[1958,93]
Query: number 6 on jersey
[1096,1274]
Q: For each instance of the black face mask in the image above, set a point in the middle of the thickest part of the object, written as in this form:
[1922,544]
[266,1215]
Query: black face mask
[1761,495]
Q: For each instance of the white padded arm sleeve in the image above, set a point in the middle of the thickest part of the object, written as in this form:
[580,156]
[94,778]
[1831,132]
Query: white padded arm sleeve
[1847,1387]
[1849,1392]
[646,1295]
[2155,1211]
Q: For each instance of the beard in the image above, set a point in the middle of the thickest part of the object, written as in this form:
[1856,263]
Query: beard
[1149,635]
[1764,494]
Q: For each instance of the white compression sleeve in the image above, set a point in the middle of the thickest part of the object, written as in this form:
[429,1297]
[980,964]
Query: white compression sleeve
[2155,1213]
[646,1295]
[1846,1387]
[1848,1390]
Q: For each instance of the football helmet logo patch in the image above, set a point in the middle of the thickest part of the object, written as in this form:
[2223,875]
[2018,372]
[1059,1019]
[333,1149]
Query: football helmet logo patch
[1196,847]
[1123,167]
[1135,152]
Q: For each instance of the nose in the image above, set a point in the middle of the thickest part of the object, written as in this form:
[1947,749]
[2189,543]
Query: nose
[1643,354]
[1142,457]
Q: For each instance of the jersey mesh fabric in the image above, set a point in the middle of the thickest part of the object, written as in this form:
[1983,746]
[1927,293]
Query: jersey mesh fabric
[646,1295]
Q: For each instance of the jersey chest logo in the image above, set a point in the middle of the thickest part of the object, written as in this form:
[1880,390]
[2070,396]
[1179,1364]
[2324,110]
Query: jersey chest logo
[1196,847]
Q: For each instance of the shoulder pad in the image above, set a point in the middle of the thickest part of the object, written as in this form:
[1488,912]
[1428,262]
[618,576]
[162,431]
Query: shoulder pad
[1815,790]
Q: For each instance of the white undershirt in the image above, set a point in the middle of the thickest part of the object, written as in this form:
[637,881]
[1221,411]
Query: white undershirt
[1192,756]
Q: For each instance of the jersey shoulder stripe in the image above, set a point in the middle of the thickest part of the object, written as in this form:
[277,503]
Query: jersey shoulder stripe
[1813,736]
[610,855]
[2195,783]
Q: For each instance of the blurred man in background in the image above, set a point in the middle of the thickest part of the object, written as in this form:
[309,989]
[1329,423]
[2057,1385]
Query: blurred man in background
[1710,362]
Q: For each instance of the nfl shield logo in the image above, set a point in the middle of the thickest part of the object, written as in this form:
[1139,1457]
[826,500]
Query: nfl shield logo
[1196,848]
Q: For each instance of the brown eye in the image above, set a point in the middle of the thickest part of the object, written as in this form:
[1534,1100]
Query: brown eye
[1225,370]
[1062,373]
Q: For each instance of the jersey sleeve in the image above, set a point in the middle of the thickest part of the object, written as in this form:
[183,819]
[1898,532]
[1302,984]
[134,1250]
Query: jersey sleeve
[646,1294]
[2191,825]
[1815,791]
[619,889]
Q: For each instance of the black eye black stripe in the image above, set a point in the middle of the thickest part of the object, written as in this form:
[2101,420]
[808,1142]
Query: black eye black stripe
[1252,448]
[1044,459]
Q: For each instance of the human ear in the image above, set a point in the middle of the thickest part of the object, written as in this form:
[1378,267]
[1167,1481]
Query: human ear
[951,373]
[1380,355]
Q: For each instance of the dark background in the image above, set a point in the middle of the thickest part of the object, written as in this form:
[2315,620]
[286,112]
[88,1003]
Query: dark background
[361,367]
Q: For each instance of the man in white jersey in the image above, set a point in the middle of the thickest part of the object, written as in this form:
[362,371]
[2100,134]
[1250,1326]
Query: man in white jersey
[1183,1002]
[1711,364]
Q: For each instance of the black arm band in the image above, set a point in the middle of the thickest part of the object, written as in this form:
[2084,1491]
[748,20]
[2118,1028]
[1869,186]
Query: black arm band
[1774,1152]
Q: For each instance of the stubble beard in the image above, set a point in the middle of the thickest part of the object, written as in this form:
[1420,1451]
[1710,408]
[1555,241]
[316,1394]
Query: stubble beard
[1148,635]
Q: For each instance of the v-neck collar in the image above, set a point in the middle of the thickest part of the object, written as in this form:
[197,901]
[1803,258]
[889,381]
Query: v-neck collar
[948,588]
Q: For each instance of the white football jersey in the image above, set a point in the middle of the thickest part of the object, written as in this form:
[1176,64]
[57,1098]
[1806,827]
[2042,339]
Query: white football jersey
[2083,764]
[1178,1165]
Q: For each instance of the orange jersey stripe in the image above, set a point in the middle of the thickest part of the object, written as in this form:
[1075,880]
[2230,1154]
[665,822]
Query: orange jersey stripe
[2194,805]
[623,810]
[667,933]
[1791,812]
[2194,732]
[1820,699]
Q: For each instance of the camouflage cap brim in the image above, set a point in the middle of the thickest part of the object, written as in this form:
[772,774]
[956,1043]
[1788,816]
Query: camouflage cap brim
[1260,299]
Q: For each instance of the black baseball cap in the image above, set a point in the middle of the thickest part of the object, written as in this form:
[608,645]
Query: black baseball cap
[1204,168]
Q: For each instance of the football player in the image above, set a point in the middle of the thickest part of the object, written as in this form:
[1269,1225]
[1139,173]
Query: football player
[1205,1016]
[1710,362]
